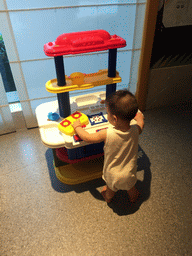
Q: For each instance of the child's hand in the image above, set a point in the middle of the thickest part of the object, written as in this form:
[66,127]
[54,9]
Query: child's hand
[139,115]
[76,124]
[102,101]
[140,121]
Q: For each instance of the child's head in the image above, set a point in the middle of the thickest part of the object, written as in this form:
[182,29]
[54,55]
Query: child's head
[122,104]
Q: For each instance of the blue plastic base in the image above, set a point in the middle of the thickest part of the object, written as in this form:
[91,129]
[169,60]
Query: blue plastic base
[85,151]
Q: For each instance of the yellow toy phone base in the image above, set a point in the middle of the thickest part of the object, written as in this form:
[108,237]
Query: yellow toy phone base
[81,172]
[65,125]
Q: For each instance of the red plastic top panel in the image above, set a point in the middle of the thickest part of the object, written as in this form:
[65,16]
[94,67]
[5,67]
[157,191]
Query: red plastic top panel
[81,42]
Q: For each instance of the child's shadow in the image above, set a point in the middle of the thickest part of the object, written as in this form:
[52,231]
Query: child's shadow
[120,203]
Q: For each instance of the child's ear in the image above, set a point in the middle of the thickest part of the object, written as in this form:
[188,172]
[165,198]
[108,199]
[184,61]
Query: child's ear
[115,118]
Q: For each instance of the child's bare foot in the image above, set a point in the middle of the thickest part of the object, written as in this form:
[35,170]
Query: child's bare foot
[133,194]
[107,194]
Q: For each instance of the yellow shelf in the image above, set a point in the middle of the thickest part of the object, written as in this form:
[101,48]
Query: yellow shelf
[77,173]
[80,81]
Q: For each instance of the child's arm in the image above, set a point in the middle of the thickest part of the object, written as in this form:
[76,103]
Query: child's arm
[89,137]
[140,121]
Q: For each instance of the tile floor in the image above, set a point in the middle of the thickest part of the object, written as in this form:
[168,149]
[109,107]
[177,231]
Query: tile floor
[42,216]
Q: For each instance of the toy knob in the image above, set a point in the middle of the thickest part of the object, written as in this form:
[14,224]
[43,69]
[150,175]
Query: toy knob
[53,116]
[77,78]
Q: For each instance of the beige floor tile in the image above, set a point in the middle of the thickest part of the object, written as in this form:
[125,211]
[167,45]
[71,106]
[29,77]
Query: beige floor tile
[42,216]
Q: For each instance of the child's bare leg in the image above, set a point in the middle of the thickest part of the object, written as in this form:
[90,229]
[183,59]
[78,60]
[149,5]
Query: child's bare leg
[107,194]
[133,194]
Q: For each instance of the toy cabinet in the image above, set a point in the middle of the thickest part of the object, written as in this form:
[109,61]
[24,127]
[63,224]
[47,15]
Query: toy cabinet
[76,161]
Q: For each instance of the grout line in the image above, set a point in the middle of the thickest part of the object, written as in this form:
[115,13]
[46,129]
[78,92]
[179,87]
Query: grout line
[72,56]
[67,7]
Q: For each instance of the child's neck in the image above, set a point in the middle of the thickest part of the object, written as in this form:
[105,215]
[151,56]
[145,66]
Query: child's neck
[122,126]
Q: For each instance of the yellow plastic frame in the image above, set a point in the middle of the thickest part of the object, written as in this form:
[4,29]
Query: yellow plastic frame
[80,81]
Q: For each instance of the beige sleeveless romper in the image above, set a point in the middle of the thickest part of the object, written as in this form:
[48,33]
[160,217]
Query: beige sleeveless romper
[120,158]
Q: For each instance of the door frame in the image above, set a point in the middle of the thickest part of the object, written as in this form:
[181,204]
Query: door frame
[146,51]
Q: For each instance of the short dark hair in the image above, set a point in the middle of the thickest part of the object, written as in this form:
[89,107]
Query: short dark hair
[123,104]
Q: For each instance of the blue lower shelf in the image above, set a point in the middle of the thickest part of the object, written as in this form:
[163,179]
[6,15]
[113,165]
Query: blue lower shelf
[85,151]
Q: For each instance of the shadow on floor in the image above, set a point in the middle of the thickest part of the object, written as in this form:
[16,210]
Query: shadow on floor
[63,188]
[120,203]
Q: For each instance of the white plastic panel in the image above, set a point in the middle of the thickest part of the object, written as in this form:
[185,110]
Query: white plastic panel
[19,81]
[83,63]
[36,103]
[124,65]
[36,74]
[134,71]
[139,26]
[23,93]
[12,96]
[6,121]
[42,71]
[118,20]
[33,29]
[23,4]
[103,60]
[2,5]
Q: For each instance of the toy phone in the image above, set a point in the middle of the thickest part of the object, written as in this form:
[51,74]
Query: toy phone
[66,127]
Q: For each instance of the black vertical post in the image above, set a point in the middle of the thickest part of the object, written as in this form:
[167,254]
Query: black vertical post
[63,98]
[112,59]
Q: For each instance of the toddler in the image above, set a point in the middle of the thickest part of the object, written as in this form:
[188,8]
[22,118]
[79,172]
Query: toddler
[121,144]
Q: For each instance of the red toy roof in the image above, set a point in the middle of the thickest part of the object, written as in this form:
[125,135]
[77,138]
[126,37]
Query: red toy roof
[81,42]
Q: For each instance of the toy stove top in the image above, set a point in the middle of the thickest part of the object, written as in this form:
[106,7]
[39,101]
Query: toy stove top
[97,118]
[88,104]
